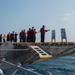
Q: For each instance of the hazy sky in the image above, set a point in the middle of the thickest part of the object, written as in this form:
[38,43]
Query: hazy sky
[16,15]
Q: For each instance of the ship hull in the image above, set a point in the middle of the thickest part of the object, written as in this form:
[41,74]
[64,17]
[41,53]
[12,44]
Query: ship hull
[24,54]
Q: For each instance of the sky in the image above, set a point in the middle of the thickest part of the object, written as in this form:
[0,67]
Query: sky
[16,15]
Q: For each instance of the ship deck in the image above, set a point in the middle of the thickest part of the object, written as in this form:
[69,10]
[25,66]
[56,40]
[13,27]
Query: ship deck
[44,43]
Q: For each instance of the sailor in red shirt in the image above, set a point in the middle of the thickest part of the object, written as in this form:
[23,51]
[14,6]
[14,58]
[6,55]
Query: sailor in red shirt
[32,34]
[34,37]
[8,37]
[12,36]
[42,31]
[0,37]
[24,35]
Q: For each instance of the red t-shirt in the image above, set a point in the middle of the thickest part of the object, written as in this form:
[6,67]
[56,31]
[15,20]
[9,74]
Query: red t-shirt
[24,33]
[42,30]
[32,32]
[8,36]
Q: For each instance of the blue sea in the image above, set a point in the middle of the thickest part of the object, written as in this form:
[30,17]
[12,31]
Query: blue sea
[57,66]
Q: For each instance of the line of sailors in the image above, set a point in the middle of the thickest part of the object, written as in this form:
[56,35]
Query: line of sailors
[31,35]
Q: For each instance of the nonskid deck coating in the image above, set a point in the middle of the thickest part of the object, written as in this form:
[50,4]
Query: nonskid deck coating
[44,43]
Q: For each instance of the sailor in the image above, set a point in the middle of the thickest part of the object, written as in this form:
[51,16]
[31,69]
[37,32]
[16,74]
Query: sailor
[29,35]
[21,36]
[32,34]
[8,37]
[24,35]
[42,31]
[15,39]
[12,36]
[4,38]
[0,37]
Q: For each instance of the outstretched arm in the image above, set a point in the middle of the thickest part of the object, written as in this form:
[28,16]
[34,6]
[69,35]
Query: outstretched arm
[47,30]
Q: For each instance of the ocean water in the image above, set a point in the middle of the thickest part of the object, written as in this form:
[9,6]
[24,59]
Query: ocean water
[58,66]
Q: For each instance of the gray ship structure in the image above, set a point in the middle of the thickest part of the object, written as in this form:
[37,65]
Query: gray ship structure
[20,54]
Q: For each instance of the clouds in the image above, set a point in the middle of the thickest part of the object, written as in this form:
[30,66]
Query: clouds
[70,16]
[67,14]
[73,12]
